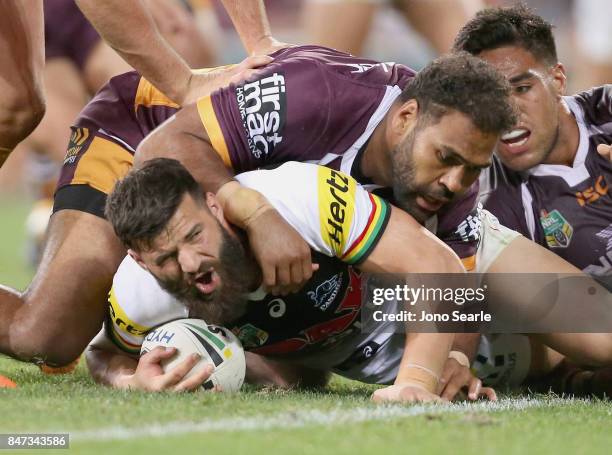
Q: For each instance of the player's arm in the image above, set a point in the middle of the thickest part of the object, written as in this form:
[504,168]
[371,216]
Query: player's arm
[129,28]
[113,367]
[549,271]
[281,252]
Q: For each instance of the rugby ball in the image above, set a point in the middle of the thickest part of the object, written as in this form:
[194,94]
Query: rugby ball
[216,345]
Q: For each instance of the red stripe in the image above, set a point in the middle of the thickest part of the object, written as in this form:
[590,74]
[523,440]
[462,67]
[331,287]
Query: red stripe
[358,240]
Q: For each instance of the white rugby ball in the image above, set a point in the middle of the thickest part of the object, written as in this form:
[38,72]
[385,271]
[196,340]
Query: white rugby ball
[216,345]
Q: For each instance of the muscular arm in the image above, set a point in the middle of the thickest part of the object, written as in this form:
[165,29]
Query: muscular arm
[137,39]
[183,138]
[407,247]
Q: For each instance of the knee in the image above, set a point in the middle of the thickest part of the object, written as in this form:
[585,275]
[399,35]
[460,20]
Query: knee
[20,113]
[36,340]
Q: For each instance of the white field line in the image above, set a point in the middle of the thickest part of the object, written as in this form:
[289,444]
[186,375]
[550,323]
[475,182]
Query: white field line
[301,419]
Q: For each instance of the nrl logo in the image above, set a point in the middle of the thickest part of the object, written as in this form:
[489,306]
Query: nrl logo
[557,230]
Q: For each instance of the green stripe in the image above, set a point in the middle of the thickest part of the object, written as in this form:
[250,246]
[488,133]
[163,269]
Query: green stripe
[382,219]
[213,339]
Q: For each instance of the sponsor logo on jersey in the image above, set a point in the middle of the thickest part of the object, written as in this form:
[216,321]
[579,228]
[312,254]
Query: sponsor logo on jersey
[364,67]
[469,230]
[262,104]
[604,267]
[251,336]
[121,320]
[77,139]
[557,230]
[593,193]
[326,292]
[336,199]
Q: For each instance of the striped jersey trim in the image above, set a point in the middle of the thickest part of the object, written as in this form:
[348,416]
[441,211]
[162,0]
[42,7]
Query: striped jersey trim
[365,243]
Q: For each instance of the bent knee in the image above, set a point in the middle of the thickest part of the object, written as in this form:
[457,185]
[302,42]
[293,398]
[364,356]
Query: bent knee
[19,116]
[35,341]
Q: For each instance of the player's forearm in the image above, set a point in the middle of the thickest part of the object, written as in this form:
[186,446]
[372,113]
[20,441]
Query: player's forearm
[251,22]
[129,28]
[423,359]
[109,368]
[184,143]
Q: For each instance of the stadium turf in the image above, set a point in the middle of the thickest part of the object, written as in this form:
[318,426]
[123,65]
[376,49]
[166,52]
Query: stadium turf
[340,421]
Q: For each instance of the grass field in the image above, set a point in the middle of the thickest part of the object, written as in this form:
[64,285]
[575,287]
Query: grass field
[339,421]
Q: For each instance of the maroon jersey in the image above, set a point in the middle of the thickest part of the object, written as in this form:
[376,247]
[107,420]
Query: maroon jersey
[319,105]
[311,104]
[566,209]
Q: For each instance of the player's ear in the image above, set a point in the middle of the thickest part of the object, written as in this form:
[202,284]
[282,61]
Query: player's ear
[215,208]
[404,119]
[134,255]
[559,79]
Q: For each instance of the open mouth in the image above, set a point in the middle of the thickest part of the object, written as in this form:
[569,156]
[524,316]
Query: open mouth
[516,138]
[207,282]
[429,204]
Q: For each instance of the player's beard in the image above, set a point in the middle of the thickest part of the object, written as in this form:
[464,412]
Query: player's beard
[404,173]
[228,302]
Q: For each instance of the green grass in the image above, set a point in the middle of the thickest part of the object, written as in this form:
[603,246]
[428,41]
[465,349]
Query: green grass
[297,422]
[73,403]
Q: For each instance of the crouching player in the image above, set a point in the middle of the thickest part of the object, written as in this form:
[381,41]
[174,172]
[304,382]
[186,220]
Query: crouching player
[198,260]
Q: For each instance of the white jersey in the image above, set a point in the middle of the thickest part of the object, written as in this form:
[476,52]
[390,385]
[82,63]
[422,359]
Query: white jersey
[320,326]
[340,221]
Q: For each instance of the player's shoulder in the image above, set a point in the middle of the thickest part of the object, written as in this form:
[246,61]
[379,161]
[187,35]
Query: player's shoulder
[138,300]
[595,104]
[349,67]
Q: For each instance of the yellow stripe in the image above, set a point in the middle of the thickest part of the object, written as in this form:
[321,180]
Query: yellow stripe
[121,319]
[147,95]
[336,207]
[85,133]
[211,124]
[102,164]
[469,263]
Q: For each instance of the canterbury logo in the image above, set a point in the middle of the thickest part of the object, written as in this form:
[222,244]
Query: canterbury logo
[79,136]
[593,193]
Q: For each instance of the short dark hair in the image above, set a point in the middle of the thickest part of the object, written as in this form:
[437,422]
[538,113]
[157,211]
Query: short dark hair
[466,84]
[141,205]
[511,26]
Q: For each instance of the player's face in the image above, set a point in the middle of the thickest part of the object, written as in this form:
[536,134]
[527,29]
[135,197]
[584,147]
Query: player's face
[536,89]
[437,161]
[201,263]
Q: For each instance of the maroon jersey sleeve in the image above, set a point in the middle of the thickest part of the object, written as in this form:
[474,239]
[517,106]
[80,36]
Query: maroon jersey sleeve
[309,103]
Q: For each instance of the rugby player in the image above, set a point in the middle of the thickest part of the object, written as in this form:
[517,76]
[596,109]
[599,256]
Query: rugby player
[314,329]
[548,183]
[33,324]
[184,240]
[551,184]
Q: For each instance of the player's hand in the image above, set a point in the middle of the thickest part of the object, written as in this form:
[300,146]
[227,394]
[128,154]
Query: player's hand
[404,393]
[203,83]
[150,376]
[456,378]
[282,253]
[268,45]
[605,151]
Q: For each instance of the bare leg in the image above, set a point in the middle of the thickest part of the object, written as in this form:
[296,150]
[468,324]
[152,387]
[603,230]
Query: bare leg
[64,306]
[22,58]
[342,25]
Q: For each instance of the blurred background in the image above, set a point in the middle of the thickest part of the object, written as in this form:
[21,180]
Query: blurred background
[411,32]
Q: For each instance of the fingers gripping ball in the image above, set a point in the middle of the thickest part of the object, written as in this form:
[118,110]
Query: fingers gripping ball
[215,345]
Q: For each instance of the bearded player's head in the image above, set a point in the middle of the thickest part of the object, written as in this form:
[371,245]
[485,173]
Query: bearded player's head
[520,44]
[443,131]
[181,237]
